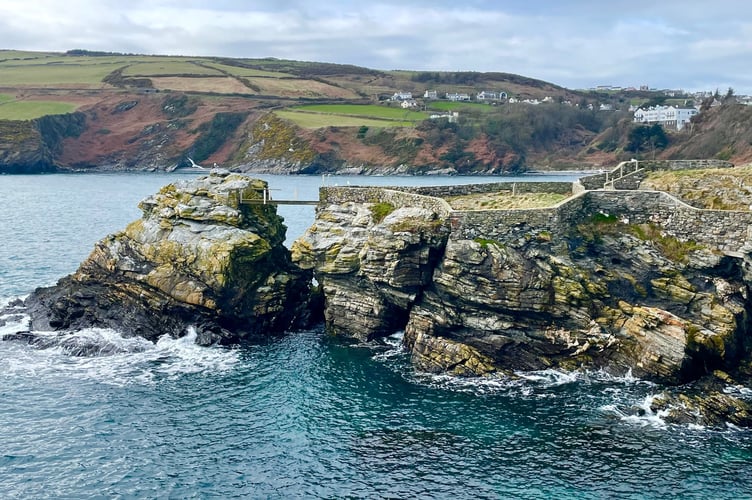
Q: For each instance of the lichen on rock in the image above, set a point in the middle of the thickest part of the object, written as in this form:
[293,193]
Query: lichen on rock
[371,270]
[198,257]
[476,293]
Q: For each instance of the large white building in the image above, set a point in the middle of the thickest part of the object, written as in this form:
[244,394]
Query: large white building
[667,116]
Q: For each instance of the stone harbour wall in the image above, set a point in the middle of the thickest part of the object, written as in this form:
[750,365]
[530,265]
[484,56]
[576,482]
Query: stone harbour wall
[516,187]
[726,230]
[631,180]
[394,196]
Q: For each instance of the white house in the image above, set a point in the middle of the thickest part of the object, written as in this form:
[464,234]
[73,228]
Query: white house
[490,96]
[430,94]
[457,97]
[452,116]
[402,96]
[409,103]
[667,116]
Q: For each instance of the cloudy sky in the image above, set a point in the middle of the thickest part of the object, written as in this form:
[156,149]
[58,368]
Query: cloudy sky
[690,44]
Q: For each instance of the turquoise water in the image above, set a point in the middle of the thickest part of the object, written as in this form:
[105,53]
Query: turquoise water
[305,415]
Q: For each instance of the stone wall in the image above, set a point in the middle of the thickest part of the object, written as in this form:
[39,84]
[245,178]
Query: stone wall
[626,179]
[684,164]
[726,230]
[507,226]
[517,187]
[394,196]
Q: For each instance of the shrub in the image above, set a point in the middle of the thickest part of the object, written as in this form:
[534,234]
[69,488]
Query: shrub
[380,210]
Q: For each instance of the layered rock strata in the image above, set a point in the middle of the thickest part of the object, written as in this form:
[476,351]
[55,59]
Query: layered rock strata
[198,257]
[601,293]
[373,260]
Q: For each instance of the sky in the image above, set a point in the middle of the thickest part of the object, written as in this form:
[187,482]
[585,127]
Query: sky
[677,44]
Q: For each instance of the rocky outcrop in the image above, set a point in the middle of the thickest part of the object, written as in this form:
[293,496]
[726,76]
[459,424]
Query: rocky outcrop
[620,305]
[31,146]
[602,294]
[715,400]
[198,257]
[373,261]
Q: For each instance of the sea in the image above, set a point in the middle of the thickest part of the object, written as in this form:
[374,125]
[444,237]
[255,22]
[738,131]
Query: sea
[306,415]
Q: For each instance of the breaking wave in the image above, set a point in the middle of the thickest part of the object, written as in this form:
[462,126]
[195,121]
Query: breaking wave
[104,355]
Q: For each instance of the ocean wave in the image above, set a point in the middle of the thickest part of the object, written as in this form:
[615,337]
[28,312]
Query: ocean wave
[739,391]
[527,382]
[394,347]
[105,356]
[640,414]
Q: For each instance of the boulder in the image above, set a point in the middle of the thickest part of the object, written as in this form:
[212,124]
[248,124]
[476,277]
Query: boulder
[197,257]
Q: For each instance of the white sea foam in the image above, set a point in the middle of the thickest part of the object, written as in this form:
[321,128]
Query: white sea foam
[104,356]
[550,378]
[396,349]
[489,384]
[522,383]
[739,391]
[14,322]
[644,415]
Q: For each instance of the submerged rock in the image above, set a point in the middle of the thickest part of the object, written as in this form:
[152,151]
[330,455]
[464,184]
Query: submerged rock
[714,401]
[197,257]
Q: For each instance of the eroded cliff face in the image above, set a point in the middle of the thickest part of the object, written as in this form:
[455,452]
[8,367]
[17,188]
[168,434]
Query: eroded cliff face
[605,295]
[31,146]
[616,303]
[372,265]
[197,258]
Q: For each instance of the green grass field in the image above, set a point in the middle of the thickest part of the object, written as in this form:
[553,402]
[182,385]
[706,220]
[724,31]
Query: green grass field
[50,75]
[459,106]
[365,110]
[28,110]
[22,54]
[41,69]
[321,120]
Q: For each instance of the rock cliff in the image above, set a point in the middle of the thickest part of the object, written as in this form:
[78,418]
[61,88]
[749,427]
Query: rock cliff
[32,146]
[198,257]
[373,261]
[605,294]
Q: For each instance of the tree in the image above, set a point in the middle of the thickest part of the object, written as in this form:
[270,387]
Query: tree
[729,96]
[647,138]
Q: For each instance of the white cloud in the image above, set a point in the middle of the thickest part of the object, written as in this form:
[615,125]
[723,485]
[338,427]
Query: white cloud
[575,44]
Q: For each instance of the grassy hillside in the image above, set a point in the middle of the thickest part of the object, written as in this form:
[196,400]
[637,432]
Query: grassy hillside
[12,108]
[724,132]
[341,113]
[351,115]
[311,120]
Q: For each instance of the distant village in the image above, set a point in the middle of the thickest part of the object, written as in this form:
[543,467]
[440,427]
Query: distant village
[669,116]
